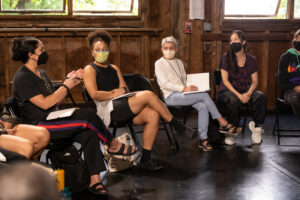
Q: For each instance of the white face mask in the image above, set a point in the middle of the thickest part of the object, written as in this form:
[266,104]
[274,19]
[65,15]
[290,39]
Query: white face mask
[169,54]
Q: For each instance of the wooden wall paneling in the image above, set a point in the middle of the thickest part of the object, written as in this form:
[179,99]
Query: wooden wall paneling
[175,21]
[208,10]
[276,49]
[145,62]
[196,48]
[117,50]
[131,55]
[217,9]
[77,55]
[264,67]
[256,49]
[165,17]
[155,52]
[56,61]
[6,56]
[185,39]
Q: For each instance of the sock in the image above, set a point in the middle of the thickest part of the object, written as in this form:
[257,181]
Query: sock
[177,125]
[146,154]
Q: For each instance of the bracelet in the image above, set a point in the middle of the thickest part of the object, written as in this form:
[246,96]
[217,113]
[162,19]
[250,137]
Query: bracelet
[68,89]
[125,89]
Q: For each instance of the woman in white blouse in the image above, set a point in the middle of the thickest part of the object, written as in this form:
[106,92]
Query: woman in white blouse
[171,77]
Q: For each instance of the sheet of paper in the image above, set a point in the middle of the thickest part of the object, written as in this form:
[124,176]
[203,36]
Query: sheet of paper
[125,95]
[196,9]
[61,113]
[200,80]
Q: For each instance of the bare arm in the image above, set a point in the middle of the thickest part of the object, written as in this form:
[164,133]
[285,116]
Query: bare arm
[90,83]
[47,102]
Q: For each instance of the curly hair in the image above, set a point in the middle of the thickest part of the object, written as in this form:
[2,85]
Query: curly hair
[98,35]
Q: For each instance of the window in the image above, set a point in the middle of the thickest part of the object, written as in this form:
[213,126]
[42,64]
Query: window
[77,7]
[247,9]
[297,9]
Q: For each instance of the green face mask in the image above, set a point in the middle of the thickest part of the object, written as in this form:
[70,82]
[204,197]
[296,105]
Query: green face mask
[101,56]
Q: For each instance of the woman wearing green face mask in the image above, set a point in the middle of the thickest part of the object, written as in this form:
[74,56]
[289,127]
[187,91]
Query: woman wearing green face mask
[104,82]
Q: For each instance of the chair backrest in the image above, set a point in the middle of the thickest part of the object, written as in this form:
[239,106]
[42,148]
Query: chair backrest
[11,105]
[137,82]
[279,92]
[85,95]
[217,78]
[160,95]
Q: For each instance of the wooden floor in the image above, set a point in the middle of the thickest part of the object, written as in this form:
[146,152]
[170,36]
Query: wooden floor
[242,171]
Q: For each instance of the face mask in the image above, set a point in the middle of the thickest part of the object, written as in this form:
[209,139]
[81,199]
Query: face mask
[101,56]
[296,45]
[43,57]
[169,54]
[236,47]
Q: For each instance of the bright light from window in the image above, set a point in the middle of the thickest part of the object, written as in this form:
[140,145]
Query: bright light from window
[252,7]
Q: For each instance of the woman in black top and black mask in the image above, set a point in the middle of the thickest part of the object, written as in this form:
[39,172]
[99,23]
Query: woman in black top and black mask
[34,93]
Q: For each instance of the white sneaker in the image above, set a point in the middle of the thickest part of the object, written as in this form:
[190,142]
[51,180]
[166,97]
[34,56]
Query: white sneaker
[256,133]
[229,140]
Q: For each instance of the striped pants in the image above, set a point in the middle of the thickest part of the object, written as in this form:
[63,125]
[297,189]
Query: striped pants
[86,128]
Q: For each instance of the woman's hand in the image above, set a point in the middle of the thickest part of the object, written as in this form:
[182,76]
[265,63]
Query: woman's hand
[73,78]
[118,92]
[246,97]
[190,88]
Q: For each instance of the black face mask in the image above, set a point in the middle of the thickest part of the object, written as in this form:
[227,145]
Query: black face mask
[296,45]
[236,47]
[43,57]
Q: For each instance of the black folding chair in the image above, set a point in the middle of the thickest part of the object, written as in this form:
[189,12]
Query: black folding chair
[114,125]
[217,79]
[282,106]
[135,82]
[185,110]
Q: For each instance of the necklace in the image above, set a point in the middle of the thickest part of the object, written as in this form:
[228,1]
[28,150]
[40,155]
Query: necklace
[181,74]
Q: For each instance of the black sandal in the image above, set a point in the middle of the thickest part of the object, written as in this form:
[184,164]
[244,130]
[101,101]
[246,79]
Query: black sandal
[226,130]
[98,191]
[121,151]
[205,147]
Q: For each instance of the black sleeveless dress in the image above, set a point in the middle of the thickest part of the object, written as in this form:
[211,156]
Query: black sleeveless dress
[107,80]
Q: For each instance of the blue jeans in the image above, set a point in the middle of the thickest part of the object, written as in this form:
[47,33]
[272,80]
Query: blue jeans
[201,102]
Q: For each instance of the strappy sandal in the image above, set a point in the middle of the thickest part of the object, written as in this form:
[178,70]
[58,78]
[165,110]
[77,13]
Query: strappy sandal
[205,147]
[226,129]
[98,191]
[121,151]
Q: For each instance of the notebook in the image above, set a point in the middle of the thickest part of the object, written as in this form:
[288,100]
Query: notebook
[61,113]
[125,95]
[200,80]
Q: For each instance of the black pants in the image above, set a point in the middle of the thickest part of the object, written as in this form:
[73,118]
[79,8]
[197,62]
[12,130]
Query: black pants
[12,156]
[293,98]
[233,105]
[86,128]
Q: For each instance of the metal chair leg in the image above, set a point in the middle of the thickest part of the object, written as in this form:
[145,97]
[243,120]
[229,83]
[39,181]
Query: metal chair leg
[167,133]
[174,137]
[134,137]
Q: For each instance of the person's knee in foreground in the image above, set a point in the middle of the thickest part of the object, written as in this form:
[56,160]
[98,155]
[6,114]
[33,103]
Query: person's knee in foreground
[26,182]
[239,81]
[26,140]
[33,90]
[289,74]
[104,82]
[172,79]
